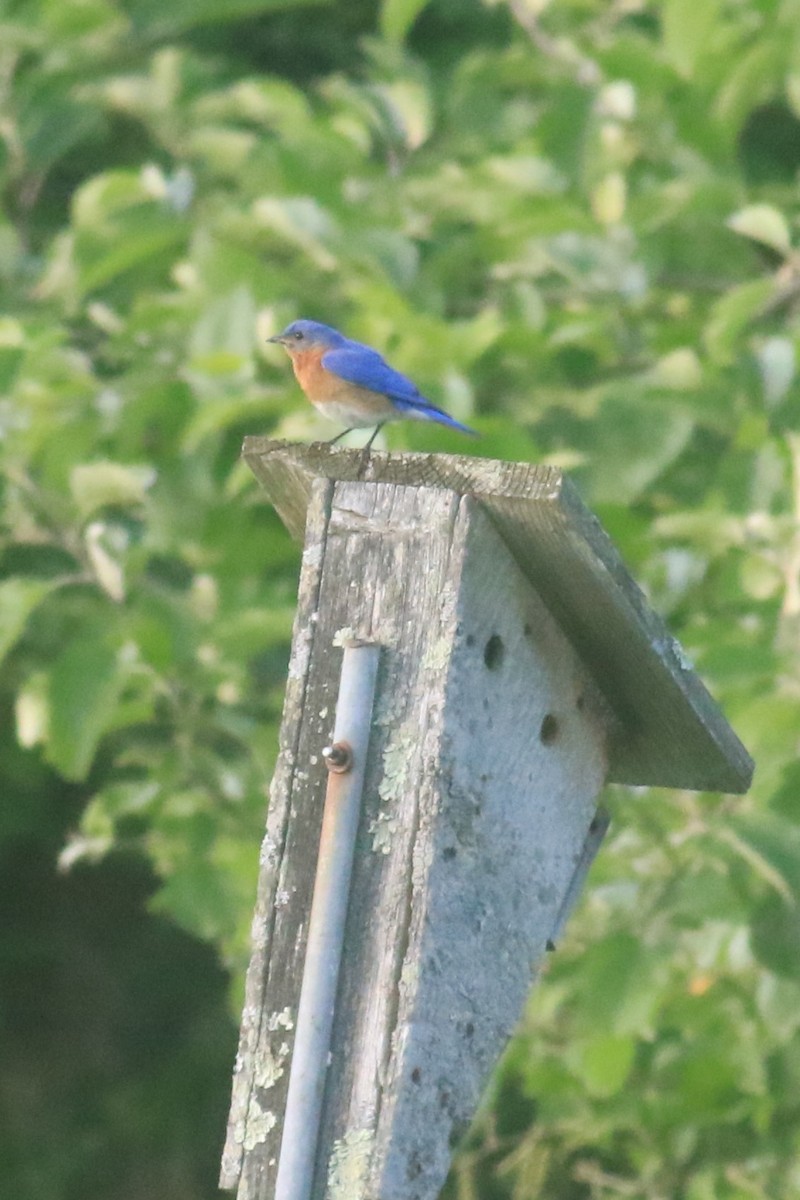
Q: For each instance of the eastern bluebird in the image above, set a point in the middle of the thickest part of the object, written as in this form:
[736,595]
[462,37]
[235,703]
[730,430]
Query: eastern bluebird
[352,383]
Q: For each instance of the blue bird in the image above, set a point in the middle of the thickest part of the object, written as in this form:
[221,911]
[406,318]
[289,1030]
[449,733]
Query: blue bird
[352,383]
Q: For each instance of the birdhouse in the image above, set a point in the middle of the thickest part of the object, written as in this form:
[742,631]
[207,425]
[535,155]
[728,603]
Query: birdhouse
[470,663]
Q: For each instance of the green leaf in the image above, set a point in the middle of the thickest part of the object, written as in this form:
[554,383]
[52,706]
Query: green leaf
[84,684]
[776,937]
[753,79]
[707,1084]
[221,412]
[731,315]
[397,17]
[105,196]
[763,223]
[31,710]
[302,221]
[95,485]
[605,1063]
[160,20]
[772,847]
[686,27]
[11,358]
[18,599]
[142,238]
[56,125]
[777,363]
[609,197]
[633,440]
[227,325]
[409,106]
[679,371]
[251,631]
[196,896]
[617,990]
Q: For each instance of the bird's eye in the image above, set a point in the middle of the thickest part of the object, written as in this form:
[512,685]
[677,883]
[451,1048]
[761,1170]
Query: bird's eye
[298,336]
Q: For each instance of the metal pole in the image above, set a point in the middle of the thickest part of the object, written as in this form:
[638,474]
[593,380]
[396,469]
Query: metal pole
[345,760]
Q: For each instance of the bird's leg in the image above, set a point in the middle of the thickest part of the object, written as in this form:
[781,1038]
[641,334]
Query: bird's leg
[366,449]
[334,440]
[372,437]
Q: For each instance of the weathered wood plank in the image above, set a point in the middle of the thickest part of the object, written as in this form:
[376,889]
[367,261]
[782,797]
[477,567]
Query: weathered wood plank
[286,873]
[671,732]
[361,583]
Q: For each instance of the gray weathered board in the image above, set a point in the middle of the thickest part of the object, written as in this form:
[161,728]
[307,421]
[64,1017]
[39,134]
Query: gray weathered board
[670,732]
[486,755]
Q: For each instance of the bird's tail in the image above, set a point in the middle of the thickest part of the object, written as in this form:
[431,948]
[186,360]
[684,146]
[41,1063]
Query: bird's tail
[425,411]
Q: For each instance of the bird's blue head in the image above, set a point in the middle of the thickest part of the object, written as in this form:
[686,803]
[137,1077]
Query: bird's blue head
[307,335]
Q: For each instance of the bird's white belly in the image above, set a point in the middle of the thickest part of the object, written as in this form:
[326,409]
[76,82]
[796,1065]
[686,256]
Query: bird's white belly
[353,415]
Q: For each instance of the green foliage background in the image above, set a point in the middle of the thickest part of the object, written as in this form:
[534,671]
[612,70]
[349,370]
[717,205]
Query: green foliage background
[575,224]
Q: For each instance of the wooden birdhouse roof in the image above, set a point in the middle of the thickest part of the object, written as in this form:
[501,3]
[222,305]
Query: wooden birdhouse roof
[670,732]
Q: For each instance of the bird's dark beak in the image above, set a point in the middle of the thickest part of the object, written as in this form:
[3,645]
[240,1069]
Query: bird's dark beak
[279,338]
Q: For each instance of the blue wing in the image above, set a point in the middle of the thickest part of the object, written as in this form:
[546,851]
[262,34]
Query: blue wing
[366,368]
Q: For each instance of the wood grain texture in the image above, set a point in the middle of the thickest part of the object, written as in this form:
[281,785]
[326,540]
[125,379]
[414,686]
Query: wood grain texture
[501,813]
[670,731]
[286,874]
[488,749]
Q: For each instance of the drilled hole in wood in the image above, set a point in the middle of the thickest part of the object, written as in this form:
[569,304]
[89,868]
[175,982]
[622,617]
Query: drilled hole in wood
[416,1075]
[548,731]
[494,652]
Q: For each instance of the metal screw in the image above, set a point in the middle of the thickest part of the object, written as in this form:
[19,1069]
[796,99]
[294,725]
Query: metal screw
[338,757]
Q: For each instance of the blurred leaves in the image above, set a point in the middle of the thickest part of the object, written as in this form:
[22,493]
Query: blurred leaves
[763,223]
[84,685]
[95,485]
[397,17]
[18,598]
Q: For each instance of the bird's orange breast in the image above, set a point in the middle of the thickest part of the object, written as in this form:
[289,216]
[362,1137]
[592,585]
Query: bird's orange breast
[317,383]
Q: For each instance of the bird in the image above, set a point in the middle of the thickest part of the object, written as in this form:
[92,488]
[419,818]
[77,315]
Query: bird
[352,383]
